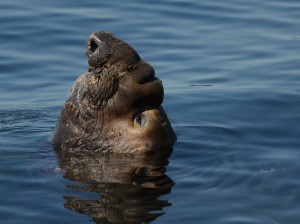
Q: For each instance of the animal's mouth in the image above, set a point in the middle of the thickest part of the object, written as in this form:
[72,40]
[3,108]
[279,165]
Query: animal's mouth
[92,45]
[97,51]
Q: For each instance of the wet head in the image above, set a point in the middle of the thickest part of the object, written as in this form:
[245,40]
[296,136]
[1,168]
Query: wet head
[115,107]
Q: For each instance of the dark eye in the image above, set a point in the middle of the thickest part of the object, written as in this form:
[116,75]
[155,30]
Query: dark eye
[94,46]
[140,119]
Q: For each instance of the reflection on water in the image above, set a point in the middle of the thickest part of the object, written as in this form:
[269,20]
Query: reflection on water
[231,76]
[128,190]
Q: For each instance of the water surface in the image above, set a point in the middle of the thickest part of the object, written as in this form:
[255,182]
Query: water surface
[231,77]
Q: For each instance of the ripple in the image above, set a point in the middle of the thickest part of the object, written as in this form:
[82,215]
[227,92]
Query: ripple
[230,71]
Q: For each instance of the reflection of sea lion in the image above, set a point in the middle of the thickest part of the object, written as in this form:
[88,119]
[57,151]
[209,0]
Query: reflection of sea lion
[116,105]
[126,190]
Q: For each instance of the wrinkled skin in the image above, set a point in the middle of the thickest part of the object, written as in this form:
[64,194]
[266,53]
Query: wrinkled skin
[115,107]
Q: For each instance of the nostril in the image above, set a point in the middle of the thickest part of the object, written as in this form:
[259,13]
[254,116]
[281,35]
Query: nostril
[93,46]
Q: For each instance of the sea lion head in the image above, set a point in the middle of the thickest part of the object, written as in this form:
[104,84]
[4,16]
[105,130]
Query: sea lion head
[115,107]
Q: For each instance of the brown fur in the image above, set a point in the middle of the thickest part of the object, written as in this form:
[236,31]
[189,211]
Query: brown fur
[114,107]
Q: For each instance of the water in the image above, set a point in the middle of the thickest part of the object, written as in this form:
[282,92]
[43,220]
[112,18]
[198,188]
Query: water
[231,75]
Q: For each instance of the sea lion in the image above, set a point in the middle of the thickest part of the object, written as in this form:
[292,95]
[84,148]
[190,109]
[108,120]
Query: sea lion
[115,106]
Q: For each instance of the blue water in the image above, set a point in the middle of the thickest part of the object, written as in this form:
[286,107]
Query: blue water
[231,75]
